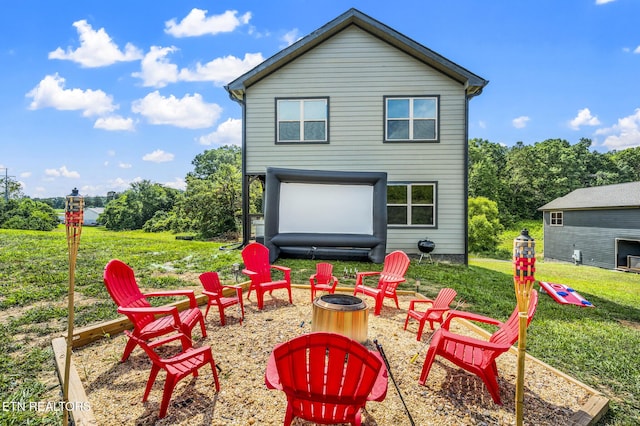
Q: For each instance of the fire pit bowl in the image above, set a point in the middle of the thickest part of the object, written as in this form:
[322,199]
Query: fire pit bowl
[342,314]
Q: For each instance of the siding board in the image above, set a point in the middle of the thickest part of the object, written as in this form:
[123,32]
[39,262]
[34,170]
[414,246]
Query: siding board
[355,71]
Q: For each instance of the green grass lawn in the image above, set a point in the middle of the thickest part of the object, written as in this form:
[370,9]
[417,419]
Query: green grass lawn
[598,346]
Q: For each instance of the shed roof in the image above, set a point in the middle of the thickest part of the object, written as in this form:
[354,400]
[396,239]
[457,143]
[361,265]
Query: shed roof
[473,83]
[607,196]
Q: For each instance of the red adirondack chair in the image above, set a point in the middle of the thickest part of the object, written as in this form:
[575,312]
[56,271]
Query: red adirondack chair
[257,267]
[327,377]
[433,313]
[475,355]
[123,288]
[395,266]
[213,289]
[323,280]
[177,367]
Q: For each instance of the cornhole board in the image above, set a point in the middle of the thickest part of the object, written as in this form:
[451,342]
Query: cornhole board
[563,294]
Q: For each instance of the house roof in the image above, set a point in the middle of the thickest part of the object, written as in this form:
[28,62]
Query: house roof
[607,196]
[473,83]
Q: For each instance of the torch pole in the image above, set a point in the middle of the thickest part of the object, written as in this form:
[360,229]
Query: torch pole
[73,222]
[524,268]
[523,290]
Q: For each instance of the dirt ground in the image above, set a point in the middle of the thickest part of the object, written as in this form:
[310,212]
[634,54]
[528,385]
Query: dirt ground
[451,396]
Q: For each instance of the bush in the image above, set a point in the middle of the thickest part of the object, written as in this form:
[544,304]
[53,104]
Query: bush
[484,225]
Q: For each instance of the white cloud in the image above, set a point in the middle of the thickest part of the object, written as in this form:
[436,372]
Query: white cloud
[114,122]
[178,183]
[62,171]
[50,92]
[637,50]
[625,134]
[119,184]
[124,165]
[25,174]
[520,122]
[290,38]
[598,2]
[190,112]
[158,156]
[97,49]
[227,133]
[222,70]
[584,118]
[156,70]
[196,23]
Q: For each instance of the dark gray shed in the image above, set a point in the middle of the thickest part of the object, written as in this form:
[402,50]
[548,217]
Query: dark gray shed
[598,226]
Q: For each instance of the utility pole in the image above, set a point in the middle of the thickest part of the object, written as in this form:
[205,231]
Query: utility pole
[6,184]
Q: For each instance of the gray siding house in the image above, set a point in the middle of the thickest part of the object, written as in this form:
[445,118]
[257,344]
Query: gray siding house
[358,96]
[598,226]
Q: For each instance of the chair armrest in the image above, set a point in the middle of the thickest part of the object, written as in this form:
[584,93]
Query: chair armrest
[412,303]
[189,293]
[213,294]
[360,276]
[186,342]
[285,270]
[271,376]
[379,390]
[237,288]
[187,354]
[446,335]
[249,273]
[153,311]
[470,316]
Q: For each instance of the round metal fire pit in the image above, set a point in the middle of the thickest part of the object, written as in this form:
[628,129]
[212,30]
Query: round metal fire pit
[341,313]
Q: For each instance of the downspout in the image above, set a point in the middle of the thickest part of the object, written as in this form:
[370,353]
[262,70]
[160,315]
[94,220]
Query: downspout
[246,226]
[468,95]
[466,179]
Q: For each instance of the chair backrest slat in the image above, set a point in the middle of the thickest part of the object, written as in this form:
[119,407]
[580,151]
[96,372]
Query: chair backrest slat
[508,333]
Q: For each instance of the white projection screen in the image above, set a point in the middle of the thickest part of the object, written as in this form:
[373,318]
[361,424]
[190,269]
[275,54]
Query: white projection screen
[324,208]
[321,214]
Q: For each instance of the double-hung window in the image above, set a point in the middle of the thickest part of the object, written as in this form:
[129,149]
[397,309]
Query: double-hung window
[302,120]
[556,219]
[411,118]
[411,204]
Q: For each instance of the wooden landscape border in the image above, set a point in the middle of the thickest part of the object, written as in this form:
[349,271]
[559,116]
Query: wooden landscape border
[588,415]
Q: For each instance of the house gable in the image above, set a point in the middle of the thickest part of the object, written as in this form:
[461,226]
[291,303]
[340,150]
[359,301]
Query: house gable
[473,83]
[355,64]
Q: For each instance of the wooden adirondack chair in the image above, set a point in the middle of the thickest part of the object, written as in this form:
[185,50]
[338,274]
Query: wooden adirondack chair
[177,367]
[327,377]
[257,267]
[213,289]
[475,355]
[123,288]
[433,313]
[395,266]
[323,280]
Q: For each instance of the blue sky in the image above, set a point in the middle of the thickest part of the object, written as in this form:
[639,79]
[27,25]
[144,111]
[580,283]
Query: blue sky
[97,95]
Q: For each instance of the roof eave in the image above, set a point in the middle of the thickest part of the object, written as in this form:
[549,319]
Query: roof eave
[473,83]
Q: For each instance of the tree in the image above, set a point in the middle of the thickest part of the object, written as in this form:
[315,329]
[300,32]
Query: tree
[213,204]
[133,208]
[25,213]
[10,188]
[484,225]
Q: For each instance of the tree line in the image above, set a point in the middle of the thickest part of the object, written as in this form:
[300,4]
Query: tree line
[522,178]
[506,185]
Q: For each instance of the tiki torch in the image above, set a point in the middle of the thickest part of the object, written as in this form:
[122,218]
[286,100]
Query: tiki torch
[73,219]
[524,259]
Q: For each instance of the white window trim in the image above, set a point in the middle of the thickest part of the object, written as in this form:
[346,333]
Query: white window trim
[302,120]
[409,204]
[556,214]
[410,119]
